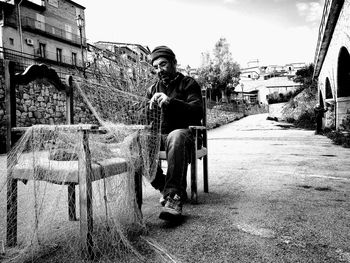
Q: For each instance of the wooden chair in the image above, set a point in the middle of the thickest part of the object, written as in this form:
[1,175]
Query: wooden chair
[84,172]
[197,153]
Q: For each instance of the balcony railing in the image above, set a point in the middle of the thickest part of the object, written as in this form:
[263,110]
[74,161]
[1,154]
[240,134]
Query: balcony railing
[23,60]
[30,23]
[52,56]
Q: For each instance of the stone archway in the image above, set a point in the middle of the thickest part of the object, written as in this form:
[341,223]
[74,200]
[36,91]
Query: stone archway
[320,99]
[328,89]
[343,73]
[343,90]
[330,114]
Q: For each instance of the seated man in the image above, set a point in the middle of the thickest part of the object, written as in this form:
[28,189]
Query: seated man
[180,99]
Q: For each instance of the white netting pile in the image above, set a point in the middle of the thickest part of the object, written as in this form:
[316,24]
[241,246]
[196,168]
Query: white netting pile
[48,158]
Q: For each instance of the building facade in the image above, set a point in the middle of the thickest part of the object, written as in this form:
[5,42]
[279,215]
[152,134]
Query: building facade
[332,61]
[133,52]
[44,31]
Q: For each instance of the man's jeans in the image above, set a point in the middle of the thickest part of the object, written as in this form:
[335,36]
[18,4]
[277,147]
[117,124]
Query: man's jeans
[178,145]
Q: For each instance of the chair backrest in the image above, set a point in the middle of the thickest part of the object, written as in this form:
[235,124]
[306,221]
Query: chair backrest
[204,98]
[204,121]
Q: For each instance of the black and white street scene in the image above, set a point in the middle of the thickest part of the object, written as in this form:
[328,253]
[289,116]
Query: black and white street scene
[175,131]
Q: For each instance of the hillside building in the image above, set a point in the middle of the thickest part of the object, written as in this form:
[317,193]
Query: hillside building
[44,31]
[132,52]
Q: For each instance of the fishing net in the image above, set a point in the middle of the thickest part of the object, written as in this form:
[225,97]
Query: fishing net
[37,223]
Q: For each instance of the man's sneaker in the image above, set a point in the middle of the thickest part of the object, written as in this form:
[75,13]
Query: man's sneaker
[162,201]
[172,209]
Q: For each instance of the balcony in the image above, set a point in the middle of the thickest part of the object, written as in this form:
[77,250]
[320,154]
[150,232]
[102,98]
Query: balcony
[31,24]
[23,60]
[53,58]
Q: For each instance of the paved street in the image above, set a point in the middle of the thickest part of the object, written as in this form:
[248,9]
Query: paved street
[277,194]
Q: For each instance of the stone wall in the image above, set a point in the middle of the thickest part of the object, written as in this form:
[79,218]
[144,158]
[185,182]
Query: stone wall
[41,103]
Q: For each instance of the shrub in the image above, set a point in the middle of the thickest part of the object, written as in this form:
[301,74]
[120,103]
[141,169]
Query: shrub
[306,120]
[345,125]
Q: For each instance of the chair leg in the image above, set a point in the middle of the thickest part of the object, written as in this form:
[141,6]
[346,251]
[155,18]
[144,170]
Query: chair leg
[72,215]
[138,189]
[85,199]
[11,234]
[194,195]
[205,174]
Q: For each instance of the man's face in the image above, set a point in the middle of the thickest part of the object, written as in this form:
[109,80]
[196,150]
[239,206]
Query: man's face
[164,68]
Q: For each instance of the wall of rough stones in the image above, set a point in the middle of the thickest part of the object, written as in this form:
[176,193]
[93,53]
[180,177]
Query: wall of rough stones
[41,103]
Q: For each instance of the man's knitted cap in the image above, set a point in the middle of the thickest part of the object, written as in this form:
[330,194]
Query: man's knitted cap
[162,51]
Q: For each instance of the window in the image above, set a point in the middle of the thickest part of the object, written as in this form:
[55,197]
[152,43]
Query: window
[40,22]
[78,11]
[68,29]
[59,55]
[42,50]
[74,58]
[53,3]
[38,2]
[12,42]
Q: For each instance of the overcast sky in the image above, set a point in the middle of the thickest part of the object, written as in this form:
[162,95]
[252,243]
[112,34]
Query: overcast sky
[273,31]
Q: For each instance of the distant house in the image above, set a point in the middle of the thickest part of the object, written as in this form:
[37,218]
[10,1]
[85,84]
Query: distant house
[251,73]
[119,62]
[292,68]
[42,32]
[257,91]
[254,71]
[258,82]
[132,52]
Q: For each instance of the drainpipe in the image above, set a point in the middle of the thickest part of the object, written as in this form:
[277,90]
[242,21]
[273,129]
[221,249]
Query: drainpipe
[20,25]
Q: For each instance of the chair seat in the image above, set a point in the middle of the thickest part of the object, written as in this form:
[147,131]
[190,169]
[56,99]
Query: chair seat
[64,171]
[200,153]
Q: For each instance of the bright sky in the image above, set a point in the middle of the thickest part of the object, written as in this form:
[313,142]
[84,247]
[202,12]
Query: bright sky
[273,31]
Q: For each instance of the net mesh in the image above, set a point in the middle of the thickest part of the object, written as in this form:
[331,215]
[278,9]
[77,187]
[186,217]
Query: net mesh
[37,224]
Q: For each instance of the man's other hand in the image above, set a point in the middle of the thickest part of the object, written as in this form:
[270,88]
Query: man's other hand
[159,98]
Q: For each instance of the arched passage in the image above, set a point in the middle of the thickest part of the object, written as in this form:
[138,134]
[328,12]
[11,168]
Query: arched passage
[343,73]
[329,94]
[320,100]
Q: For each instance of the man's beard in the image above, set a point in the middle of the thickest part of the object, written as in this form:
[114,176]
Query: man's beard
[165,77]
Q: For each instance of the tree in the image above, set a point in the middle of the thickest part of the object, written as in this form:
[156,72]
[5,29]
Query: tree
[304,76]
[219,73]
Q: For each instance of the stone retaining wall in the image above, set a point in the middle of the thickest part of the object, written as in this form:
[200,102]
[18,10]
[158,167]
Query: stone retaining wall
[41,103]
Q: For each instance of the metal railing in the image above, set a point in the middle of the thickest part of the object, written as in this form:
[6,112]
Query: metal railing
[321,29]
[58,59]
[23,60]
[30,23]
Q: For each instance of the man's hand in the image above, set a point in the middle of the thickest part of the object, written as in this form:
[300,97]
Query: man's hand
[159,98]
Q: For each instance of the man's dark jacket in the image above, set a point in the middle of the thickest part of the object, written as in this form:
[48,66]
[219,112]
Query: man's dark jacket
[185,104]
